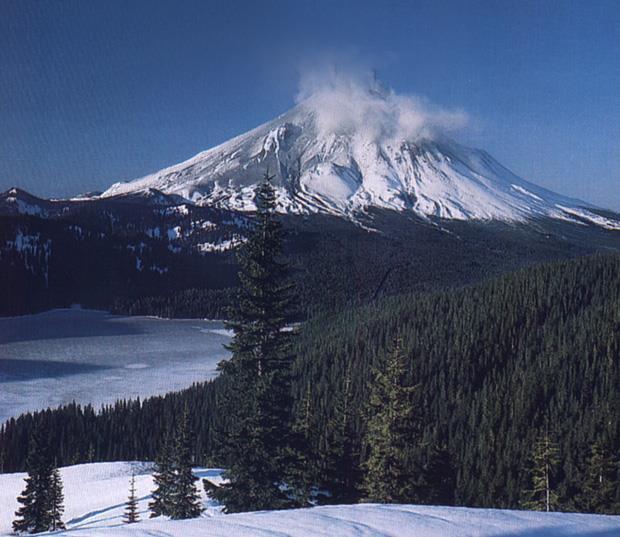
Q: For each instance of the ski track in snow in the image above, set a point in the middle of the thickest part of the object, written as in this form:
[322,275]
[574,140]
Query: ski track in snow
[95,495]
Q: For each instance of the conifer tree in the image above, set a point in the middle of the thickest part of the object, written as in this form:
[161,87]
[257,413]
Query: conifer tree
[35,513]
[438,479]
[184,497]
[163,477]
[257,401]
[302,476]
[131,515]
[340,460]
[542,496]
[56,501]
[598,486]
[392,433]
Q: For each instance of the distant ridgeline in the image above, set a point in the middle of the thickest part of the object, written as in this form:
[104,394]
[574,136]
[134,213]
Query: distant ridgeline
[131,257]
[497,364]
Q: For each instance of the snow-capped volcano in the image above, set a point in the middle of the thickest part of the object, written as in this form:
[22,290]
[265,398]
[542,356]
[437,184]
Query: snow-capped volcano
[332,154]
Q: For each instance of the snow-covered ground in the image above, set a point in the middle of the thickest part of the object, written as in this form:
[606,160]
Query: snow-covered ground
[95,494]
[94,357]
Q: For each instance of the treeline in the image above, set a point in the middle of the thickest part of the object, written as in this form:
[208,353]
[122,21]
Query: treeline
[186,304]
[532,354]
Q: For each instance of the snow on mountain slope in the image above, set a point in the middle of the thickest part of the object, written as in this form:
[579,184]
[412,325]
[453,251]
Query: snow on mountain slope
[343,150]
[95,496]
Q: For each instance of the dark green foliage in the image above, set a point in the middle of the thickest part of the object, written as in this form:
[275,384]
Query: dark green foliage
[256,441]
[42,498]
[163,478]
[600,483]
[339,453]
[183,496]
[57,499]
[131,515]
[186,304]
[303,472]
[393,429]
[438,479]
[541,494]
[496,361]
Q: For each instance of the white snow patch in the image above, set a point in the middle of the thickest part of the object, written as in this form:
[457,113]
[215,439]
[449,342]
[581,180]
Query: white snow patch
[221,245]
[95,495]
[174,233]
[526,192]
[606,223]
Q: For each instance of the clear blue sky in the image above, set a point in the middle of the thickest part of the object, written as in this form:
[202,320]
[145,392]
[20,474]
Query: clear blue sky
[92,92]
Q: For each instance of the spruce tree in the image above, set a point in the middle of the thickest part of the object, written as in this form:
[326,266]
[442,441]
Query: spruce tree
[131,515]
[438,479]
[184,497]
[340,458]
[302,476]
[257,399]
[599,487]
[36,512]
[542,496]
[163,478]
[56,501]
[392,433]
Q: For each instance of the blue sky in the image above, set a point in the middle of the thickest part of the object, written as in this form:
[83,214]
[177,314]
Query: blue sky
[92,92]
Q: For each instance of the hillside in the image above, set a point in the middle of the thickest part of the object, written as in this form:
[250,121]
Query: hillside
[539,345]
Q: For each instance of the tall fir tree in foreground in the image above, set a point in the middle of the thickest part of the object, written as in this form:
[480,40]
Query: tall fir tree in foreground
[392,433]
[184,497]
[542,496]
[256,446]
[42,499]
[131,515]
[163,477]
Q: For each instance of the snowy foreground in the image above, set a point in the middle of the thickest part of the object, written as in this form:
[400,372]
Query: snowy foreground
[95,494]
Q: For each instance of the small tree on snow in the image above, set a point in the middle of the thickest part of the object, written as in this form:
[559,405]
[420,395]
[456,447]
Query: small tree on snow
[41,501]
[131,506]
[56,500]
[163,477]
[184,497]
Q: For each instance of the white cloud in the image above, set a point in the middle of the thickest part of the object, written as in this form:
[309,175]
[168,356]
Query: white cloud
[351,100]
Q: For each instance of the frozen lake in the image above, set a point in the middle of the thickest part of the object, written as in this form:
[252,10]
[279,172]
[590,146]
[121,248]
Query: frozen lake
[93,357]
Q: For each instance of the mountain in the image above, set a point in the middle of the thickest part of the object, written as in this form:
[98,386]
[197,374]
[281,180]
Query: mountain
[346,169]
[375,199]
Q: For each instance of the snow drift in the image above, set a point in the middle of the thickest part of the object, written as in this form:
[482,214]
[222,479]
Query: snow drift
[95,496]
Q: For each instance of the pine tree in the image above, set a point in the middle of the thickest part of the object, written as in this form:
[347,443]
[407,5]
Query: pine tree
[340,459]
[56,501]
[35,514]
[131,515]
[163,477]
[598,486]
[184,497]
[257,401]
[542,495]
[392,433]
[438,479]
[302,476]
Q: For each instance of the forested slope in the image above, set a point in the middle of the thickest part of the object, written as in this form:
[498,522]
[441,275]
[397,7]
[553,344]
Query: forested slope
[497,364]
